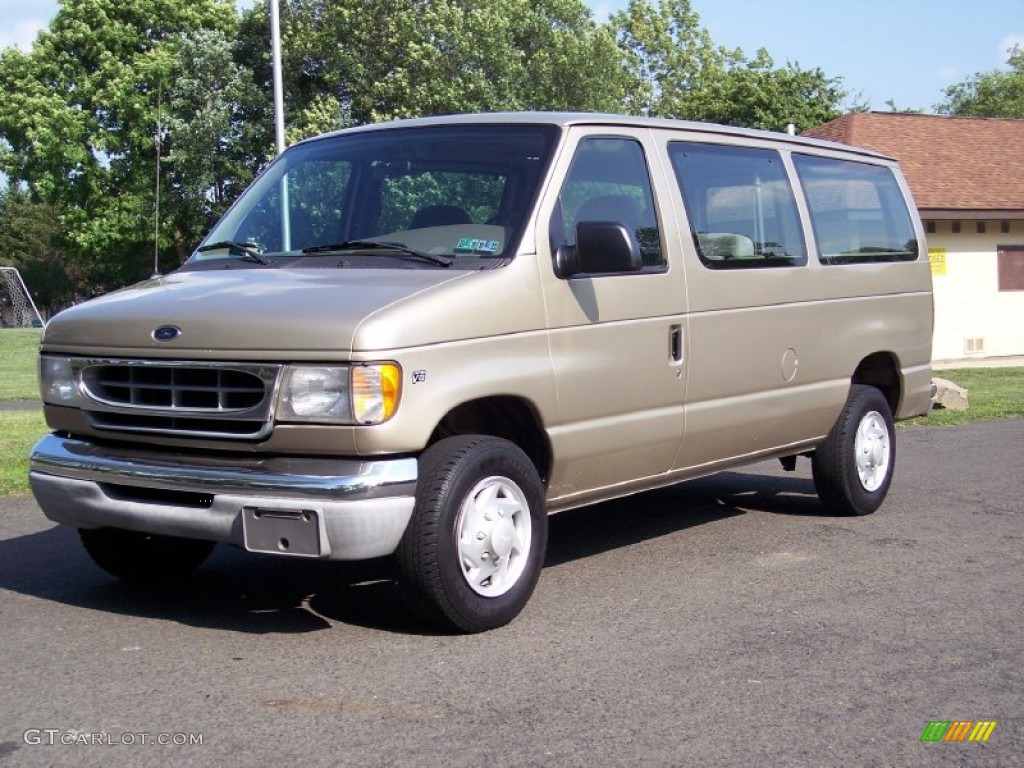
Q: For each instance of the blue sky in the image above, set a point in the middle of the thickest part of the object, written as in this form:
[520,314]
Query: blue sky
[904,50]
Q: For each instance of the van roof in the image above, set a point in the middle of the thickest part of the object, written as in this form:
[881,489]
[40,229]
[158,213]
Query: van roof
[565,119]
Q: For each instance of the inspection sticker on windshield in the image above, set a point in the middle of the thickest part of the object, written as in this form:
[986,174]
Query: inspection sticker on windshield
[472,245]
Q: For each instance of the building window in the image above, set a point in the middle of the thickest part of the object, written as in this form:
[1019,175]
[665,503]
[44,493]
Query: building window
[981,227]
[1004,227]
[1011,267]
[956,227]
[929,227]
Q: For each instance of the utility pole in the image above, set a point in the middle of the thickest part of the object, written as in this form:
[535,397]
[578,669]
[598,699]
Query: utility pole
[275,55]
[156,216]
[275,46]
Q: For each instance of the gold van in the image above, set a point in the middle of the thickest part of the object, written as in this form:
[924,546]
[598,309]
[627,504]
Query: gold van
[420,338]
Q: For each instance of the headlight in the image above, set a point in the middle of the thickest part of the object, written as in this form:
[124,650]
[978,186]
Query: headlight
[360,394]
[375,390]
[315,394]
[56,380]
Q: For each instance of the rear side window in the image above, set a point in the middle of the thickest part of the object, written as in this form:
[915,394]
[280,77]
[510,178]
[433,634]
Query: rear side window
[857,210]
[740,204]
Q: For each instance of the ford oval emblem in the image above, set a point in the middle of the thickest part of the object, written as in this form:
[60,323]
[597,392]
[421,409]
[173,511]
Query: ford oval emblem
[166,333]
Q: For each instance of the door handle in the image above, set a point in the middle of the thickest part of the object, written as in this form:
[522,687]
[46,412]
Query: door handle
[675,344]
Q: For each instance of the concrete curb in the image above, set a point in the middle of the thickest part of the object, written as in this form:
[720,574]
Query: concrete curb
[1012,361]
[20,405]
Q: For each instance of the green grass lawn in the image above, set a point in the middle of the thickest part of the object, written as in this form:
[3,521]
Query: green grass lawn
[19,431]
[992,393]
[19,348]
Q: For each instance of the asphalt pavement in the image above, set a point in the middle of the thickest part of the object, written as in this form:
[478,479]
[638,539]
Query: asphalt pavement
[724,622]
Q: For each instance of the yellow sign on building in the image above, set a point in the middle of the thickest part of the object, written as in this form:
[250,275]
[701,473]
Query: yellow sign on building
[937,257]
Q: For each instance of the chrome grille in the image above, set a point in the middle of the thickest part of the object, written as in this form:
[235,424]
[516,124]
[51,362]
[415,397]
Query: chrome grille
[156,386]
[188,399]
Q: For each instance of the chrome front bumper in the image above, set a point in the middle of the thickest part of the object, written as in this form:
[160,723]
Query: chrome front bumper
[357,509]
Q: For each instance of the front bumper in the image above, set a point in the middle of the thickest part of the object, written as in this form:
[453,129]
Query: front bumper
[341,509]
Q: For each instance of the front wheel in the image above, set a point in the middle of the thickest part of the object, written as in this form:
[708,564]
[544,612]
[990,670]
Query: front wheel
[474,548]
[143,557]
[853,467]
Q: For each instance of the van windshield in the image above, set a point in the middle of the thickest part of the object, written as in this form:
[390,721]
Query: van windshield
[455,195]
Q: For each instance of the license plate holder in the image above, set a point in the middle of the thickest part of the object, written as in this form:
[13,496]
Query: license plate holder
[293,532]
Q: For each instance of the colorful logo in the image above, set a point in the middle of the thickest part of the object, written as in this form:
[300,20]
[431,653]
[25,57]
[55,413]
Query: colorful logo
[958,730]
[477,246]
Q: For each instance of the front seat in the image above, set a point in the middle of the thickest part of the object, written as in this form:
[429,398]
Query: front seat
[439,216]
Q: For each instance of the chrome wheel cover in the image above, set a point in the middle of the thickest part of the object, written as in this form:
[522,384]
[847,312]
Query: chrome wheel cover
[873,451]
[493,534]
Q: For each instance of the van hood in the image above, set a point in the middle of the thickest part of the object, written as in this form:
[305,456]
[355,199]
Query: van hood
[286,313]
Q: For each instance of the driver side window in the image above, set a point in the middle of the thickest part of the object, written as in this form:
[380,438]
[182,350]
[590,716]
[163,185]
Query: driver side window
[608,182]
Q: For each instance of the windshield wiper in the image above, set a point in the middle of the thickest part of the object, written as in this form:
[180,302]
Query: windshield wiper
[400,249]
[243,251]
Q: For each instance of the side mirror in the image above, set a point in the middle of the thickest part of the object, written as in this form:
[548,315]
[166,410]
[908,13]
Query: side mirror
[601,247]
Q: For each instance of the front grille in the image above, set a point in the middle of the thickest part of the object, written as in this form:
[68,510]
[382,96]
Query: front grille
[156,386]
[136,422]
[187,399]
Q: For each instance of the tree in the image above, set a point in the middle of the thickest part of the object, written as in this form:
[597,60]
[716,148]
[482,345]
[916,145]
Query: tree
[351,62]
[676,70]
[78,121]
[30,240]
[757,94]
[215,128]
[989,94]
[670,59]
[894,108]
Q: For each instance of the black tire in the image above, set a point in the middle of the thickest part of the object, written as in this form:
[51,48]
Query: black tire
[143,557]
[434,570]
[837,475]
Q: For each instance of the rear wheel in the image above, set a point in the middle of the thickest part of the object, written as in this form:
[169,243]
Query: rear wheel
[143,557]
[474,548]
[853,467]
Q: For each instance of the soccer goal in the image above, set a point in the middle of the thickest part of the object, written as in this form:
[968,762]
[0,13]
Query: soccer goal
[17,310]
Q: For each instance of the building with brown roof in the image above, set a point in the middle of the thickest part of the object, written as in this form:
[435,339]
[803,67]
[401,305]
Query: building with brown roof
[967,176]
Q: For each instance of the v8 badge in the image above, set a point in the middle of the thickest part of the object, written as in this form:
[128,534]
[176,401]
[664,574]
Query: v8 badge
[418,377]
